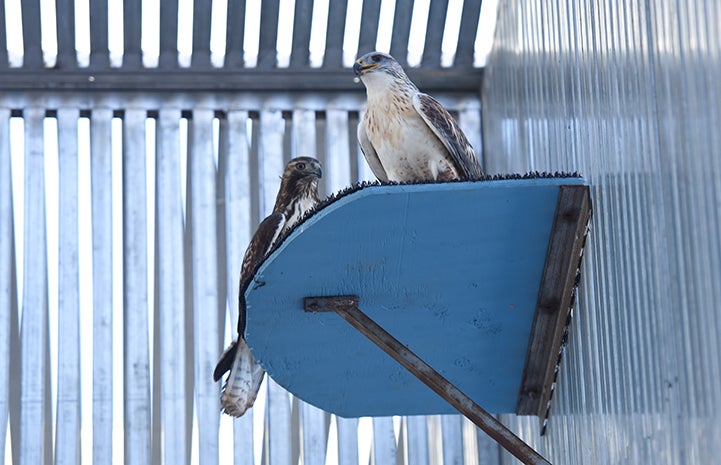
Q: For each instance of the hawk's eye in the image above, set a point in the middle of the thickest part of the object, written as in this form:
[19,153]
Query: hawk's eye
[300,166]
[376,58]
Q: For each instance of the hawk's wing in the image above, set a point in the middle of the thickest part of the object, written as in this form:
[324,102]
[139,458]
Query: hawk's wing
[260,244]
[444,126]
[370,153]
[246,374]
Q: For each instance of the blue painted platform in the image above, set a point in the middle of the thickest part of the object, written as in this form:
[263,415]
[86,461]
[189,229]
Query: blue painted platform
[451,270]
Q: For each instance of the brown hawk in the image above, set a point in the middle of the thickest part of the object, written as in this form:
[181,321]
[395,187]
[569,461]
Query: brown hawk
[407,135]
[297,195]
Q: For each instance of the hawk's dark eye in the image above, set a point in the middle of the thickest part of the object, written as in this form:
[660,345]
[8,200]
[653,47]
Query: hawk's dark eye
[376,58]
[300,166]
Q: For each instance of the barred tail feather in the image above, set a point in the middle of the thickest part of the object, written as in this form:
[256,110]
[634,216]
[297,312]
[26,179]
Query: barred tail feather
[243,384]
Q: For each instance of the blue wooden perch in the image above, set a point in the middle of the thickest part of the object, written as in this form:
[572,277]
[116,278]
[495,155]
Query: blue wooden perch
[451,270]
[475,278]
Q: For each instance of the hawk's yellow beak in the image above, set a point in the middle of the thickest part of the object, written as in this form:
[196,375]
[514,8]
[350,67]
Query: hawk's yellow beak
[360,68]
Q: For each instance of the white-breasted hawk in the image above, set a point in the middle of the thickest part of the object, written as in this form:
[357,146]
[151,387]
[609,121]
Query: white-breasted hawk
[407,135]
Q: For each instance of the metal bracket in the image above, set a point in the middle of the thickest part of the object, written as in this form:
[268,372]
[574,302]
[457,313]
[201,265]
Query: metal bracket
[347,308]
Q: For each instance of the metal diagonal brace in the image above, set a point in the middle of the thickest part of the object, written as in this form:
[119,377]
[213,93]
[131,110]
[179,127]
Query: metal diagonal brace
[347,307]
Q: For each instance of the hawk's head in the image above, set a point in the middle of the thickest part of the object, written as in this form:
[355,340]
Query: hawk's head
[379,68]
[303,169]
[298,184]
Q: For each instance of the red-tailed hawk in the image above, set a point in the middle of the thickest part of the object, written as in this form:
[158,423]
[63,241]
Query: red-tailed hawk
[407,135]
[298,194]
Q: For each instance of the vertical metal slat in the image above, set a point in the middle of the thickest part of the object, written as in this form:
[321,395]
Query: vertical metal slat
[243,453]
[156,356]
[168,34]
[135,291]
[354,149]
[171,287]
[364,171]
[228,181]
[32,53]
[202,173]
[34,324]
[235,34]
[267,55]
[234,160]
[435,438]
[467,36]
[3,33]
[272,129]
[296,430]
[384,441]
[67,442]
[434,33]
[234,151]
[369,30]
[201,35]
[315,437]
[347,440]
[101,185]
[222,290]
[333,57]
[300,54]
[190,344]
[337,163]
[452,427]
[417,432]
[99,54]
[278,422]
[401,30]
[6,271]
[303,134]
[65,19]
[132,53]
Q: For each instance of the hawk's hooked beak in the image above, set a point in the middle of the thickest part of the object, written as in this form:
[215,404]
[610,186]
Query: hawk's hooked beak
[360,68]
[316,169]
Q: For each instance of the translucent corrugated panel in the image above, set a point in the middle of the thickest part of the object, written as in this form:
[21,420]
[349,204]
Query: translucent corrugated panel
[627,93]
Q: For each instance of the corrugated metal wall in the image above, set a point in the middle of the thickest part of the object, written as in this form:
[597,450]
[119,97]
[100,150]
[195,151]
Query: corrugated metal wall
[628,93]
[123,221]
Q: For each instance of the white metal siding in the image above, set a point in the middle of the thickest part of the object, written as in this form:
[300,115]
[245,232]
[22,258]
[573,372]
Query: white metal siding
[198,172]
[7,272]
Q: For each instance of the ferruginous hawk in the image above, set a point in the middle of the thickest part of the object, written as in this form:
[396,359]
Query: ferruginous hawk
[298,193]
[407,135]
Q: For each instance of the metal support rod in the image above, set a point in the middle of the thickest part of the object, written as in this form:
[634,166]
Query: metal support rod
[347,308]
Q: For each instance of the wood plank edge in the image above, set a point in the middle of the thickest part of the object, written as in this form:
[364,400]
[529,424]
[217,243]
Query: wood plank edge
[571,219]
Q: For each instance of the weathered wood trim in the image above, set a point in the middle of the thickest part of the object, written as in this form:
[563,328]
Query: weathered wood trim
[573,212]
